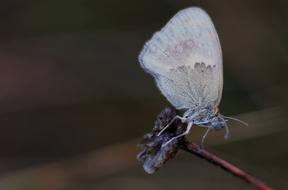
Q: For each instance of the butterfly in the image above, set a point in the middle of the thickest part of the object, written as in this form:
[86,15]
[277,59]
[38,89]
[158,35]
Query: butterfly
[185,59]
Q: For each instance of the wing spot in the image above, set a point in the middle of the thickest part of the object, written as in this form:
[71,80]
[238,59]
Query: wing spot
[197,64]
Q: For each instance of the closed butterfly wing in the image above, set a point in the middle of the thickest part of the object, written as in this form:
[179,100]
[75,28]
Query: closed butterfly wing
[185,59]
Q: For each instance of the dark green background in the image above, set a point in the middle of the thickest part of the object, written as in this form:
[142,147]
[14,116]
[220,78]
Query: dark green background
[70,85]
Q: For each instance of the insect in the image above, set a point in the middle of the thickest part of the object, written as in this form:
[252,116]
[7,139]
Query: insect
[185,59]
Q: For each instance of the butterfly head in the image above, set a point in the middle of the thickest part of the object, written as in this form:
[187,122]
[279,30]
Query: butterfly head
[218,122]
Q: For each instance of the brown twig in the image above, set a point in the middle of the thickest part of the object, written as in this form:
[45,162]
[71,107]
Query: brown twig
[204,154]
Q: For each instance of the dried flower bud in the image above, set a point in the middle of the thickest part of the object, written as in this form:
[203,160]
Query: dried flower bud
[154,154]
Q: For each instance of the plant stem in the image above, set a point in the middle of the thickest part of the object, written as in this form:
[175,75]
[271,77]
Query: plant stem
[202,153]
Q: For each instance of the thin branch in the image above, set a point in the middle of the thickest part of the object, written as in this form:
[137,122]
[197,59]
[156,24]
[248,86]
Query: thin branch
[202,153]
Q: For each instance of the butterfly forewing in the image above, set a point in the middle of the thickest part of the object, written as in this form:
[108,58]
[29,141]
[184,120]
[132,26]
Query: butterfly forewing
[185,59]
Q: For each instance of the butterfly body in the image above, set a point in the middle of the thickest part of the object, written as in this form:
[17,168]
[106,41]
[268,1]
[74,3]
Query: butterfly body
[204,116]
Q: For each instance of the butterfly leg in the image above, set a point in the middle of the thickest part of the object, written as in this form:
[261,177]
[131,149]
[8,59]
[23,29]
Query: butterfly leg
[205,135]
[226,136]
[183,134]
[176,117]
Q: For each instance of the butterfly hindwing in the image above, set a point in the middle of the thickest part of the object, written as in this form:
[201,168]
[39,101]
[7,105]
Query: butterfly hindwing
[185,59]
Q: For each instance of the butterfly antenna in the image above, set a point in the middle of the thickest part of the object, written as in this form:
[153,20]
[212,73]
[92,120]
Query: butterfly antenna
[235,119]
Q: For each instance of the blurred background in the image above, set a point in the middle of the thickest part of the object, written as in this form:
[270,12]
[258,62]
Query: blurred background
[74,101]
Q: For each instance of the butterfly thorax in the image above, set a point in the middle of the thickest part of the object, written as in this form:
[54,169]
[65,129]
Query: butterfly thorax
[204,115]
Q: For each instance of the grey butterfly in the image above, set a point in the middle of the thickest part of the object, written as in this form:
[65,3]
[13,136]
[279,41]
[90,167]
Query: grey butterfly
[185,59]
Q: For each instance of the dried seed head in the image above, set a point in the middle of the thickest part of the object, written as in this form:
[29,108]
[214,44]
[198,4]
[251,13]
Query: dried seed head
[154,154]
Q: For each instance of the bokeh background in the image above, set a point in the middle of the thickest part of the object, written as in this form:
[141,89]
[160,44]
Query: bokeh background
[74,101]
